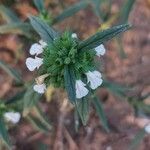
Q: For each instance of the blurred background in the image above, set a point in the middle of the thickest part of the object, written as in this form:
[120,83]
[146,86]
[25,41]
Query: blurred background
[52,124]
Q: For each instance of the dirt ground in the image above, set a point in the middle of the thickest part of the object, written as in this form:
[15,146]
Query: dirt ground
[132,71]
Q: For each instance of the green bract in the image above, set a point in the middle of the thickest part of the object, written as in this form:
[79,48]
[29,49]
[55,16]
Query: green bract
[63,51]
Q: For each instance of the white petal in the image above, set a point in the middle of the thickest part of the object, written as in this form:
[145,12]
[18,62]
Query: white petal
[81,91]
[32,63]
[147,128]
[43,44]
[36,49]
[74,35]
[13,117]
[94,78]
[97,73]
[40,88]
[100,50]
[96,83]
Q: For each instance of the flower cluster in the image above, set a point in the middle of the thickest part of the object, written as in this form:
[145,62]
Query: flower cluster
[63,51]
[35,63]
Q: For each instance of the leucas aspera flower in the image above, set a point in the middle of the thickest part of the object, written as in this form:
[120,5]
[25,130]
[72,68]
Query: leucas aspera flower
[81,90]
[12,117]
[34,63]
[94,78]
[37,48]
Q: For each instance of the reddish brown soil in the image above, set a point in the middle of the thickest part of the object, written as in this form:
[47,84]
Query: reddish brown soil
[133,71]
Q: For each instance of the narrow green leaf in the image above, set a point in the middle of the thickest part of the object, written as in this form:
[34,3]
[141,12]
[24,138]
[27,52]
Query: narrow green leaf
[96,4]
[102,36]
[115,88]
[120,47]
[13,73]
[18,96]
[97,9]
[82,107]
[8,15]
[39,5]
[76,120]
[16,28]
[100,113]
[42,117]
[42,146]
[4,134]
[37,124]
[71,11]
[125,11]
[137,140]
[30,99]
[47,33]
[69,77]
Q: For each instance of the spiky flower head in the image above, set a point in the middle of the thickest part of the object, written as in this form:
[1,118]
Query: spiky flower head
[55,56]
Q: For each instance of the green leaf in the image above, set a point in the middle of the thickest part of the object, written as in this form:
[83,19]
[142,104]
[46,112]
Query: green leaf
[102,36]
[120,47]
[76,120]
[101,14]
[125,11]
[115,88]
[39,5]
[37,124]
[18,96]
[82,107]
[100,112]
[12,72]
[97,11]
[42,146]
[71,11]
[4,134]
[42,117]
[16,28]
[47,33]
[69,77]
[8,15]
[137,140]
[30,99]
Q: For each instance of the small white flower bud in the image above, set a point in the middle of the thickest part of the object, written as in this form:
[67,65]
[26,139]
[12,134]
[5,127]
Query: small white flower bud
[74,35]
[43,44]
[100,50]
[147,128]
[40,88]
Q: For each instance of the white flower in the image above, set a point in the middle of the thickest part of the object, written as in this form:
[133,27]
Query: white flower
[100,50]
[94,78]
[147,128]
[12,117]
[37,49]
[74,35]
[81,91]
[40,88]
[43,44]
[32,63]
